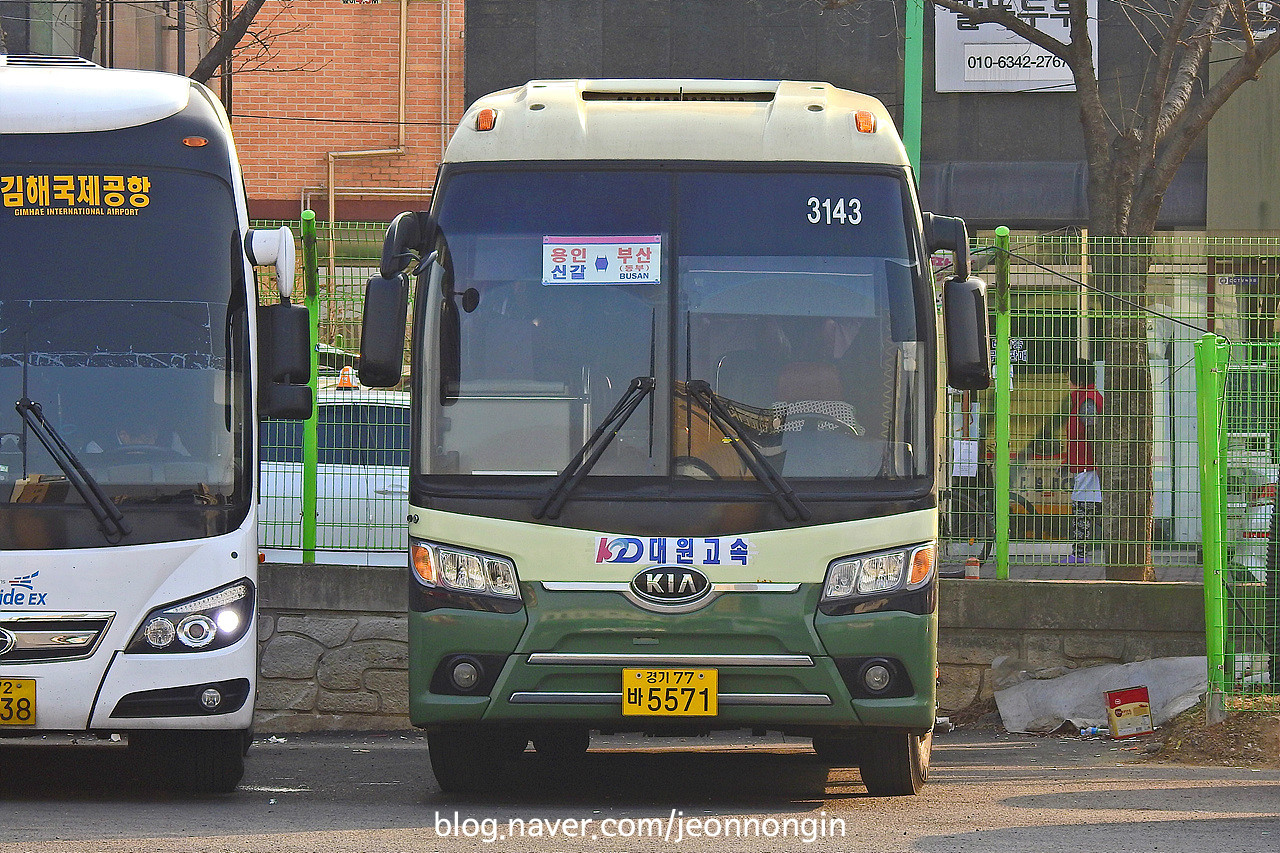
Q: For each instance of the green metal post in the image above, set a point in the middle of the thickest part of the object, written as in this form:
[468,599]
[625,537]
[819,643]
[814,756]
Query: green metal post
[913,81]
[310,444]
[1004,391]
[1211,361]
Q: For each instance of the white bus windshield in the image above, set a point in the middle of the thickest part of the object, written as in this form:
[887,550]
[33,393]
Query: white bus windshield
[129,329]
[792,294]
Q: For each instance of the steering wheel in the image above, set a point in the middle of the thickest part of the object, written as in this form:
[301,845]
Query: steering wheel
[693,468]
[133,454]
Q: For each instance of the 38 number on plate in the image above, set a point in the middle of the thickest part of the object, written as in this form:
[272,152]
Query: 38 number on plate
[17,702]
[669,692]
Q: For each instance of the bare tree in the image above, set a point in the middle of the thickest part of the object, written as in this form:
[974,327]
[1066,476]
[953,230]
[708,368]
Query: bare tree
[227,38]
[1133,152]
[89,17]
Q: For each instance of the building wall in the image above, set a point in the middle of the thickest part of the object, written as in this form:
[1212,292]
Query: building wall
[330,84]
[1243,172]
[1030,145]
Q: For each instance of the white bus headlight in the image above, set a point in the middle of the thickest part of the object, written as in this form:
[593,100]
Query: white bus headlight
[878,573]
[210,621]
[463,571]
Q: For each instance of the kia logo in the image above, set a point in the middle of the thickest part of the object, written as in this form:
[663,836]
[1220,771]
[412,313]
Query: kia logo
[670,585]
[7,641]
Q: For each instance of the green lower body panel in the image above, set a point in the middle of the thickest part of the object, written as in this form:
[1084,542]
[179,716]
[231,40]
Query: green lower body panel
[779,663]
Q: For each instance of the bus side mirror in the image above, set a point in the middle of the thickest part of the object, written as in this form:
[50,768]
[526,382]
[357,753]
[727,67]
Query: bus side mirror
[948,232]
[964,308]
[284,336]
[408,237]
[386,309]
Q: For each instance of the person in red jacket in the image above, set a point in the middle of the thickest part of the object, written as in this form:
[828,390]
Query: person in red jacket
[1086,487]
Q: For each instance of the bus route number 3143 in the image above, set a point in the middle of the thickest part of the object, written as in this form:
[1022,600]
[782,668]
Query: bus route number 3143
[669,692]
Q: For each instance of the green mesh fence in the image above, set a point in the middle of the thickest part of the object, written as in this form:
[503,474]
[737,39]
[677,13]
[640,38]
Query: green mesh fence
[1103,482]
[362,434]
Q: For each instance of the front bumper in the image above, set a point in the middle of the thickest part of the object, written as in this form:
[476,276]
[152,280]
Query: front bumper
[779,661]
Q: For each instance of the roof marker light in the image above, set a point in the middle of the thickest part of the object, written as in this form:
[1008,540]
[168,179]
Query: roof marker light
[865,121]
[486,119]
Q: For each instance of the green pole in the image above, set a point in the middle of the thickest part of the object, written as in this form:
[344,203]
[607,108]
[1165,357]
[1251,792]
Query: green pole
[1004,391]
[913,81]
[310,444]
[1211,359]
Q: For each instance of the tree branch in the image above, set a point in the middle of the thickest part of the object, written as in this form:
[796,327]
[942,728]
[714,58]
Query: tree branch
[227,41]
[88,28]
[1187,75]
[1190,124]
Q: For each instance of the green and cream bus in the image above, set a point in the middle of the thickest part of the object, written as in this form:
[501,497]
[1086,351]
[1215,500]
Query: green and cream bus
[675,377]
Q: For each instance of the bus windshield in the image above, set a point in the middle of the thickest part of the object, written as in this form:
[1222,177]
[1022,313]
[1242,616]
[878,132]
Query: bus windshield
[125,319]
[795,296]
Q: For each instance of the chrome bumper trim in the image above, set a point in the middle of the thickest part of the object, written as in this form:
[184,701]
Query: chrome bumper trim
[590,659]
[45,637]
[770,699]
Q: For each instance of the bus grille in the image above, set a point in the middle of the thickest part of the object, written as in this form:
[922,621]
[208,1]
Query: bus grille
[45,637]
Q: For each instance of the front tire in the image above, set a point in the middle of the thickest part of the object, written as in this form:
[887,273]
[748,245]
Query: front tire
[469,759]
[896,764]
[840,750]
[562,745]
[198,762]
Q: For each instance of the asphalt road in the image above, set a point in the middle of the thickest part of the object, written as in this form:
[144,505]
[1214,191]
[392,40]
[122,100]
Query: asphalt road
[347,792]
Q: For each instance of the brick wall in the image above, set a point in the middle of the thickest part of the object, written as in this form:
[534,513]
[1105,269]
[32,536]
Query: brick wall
[330,83]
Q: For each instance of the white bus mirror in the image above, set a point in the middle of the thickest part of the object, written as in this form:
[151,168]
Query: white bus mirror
[273,246]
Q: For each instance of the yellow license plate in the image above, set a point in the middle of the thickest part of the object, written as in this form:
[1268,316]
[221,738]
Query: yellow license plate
[669,692]
[17,701]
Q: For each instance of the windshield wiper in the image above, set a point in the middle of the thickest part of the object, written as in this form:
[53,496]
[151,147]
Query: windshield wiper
[110,519]
[792,507]
[641,387]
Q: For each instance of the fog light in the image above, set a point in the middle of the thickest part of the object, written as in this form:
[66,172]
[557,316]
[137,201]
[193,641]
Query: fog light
[159,632]
[197,631]
[465,675]
[210,698]
[876,676]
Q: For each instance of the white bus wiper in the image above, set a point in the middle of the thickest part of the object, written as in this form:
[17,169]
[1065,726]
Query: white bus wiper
[792,507]
[110,519]
[641,387]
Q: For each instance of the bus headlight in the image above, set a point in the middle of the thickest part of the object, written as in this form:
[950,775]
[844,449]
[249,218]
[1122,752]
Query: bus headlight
[213,620]
[879,573]
[463,571]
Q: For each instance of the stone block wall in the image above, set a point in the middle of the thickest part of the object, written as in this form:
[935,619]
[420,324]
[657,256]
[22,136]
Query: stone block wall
[1051,627]
[334,649]
[334,639]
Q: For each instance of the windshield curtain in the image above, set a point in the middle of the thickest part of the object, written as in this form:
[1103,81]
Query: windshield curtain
[129,329]
[791,295]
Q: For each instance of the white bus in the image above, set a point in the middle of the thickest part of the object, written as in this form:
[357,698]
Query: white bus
[129,398]
[676,380]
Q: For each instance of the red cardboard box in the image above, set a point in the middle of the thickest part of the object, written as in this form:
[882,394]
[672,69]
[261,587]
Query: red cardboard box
[1129,712]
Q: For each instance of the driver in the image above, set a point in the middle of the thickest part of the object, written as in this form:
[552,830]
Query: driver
[141,435]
